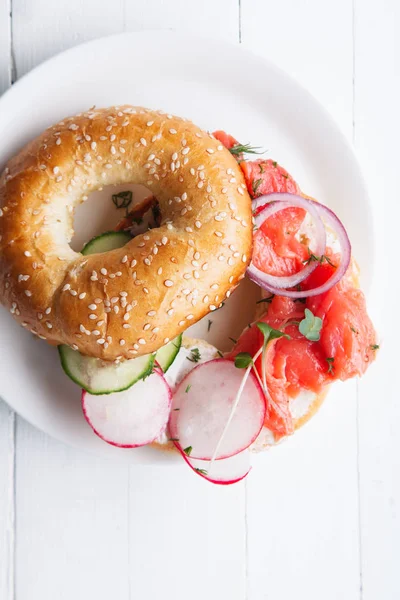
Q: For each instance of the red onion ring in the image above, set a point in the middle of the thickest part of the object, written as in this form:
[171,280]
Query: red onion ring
[275,203]
[332,221]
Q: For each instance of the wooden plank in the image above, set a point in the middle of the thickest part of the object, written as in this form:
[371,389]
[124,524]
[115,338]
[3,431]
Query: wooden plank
[377,129]
[302,506]
[7,513]
[5,45]
[209,18]
[312,41]
[72,518]
[41,30]
[187,536]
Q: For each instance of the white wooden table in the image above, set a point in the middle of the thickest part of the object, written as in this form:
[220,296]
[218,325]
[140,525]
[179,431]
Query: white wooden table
[319,519]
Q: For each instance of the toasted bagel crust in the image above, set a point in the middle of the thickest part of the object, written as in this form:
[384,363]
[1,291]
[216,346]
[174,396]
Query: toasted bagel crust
[129,301]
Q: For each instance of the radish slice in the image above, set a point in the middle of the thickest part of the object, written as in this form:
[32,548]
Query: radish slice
[132,418]
[202,405]
[222,472]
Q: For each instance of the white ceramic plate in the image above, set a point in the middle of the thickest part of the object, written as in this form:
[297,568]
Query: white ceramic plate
[219,86]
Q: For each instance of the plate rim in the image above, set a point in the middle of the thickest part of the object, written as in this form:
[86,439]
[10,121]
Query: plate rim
[224,46]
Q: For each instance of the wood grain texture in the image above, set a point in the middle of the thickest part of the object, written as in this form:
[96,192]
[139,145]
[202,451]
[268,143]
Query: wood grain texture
[41,30]
[187,536]
[5,45]
[377,130]
[303,39]
[302,507]
[7,508]
[72,523]
[208,18]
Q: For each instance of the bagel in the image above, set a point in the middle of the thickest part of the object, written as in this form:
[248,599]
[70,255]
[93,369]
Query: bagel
[129,301]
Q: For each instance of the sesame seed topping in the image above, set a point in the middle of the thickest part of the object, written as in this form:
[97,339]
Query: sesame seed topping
[92,306]
[146,327]
[240,190]
[212,307]
[181,323]
[28,293]
[95,332]
[173,131]
[151,313]
[170,312]
[166,340]
[149,123]
[73,292]
[133,263]
[101,341]
[189,317]
[185,151]
[126,326]
[100,323]
[168,283]
[141,341]
[122,342]
[210,151]
[49,325]
[244,258]
[92,316]
[27,253]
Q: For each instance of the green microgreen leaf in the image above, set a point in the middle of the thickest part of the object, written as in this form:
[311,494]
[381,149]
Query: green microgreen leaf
[243,360]
[310,326]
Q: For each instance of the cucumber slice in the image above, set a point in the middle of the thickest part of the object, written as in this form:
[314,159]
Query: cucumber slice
[106,241]
[166,355]
[99,377]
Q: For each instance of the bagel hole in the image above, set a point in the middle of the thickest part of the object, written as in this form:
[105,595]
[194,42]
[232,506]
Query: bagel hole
[107,208]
